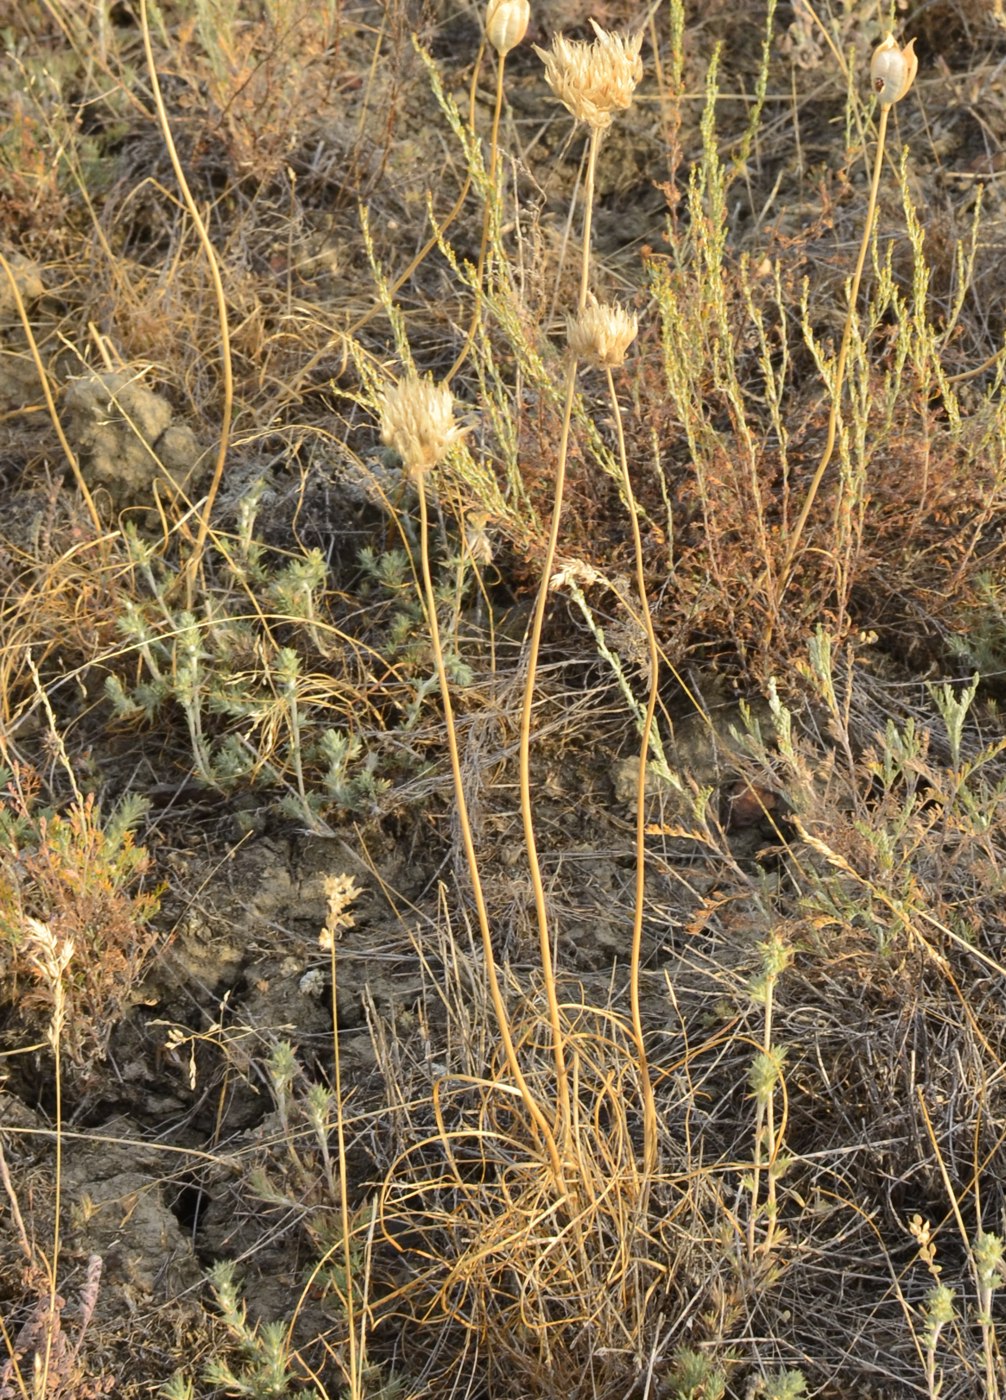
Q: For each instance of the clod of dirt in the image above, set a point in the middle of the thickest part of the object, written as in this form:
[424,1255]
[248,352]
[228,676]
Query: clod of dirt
[178,451]
[18,381]
[26,279]
[119,1207]
[117,1195]
[125,437]
[18,375]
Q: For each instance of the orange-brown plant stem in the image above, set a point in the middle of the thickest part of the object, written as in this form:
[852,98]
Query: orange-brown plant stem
[52,1269]
[486,221]
[432,242]
[534,648]
[635,956]
[499,1007]
[843,355]
[355,1387]
[50,402]
[227,370]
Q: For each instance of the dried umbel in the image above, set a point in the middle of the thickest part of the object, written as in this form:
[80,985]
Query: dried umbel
[417,420]
[594,81]
[893,70]
[506,24]
[601,334]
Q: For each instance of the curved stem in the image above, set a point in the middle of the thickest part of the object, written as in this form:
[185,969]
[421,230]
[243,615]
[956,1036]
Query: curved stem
[635,957]
[50,402]
[843,355]
[534,648]
[227,369]
[495,992]
[486,221]
[431,242]
[531,845]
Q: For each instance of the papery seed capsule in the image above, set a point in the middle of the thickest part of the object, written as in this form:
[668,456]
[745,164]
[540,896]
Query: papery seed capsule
[595,80]
[506,24]
[893,70]
[417,420]
[601,334]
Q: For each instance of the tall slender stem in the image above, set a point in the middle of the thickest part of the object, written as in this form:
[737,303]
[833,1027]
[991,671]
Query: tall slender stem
[499,1007]
[534,648]
[355,1370]
[588,214]
[226,366]
[486,224]
[50,402]
[843,355]
[635,956]
[439,231]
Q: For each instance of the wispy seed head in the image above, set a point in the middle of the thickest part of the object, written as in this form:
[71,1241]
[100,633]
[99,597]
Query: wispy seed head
[506,24]
[417,420]
[601,334]
[595,80]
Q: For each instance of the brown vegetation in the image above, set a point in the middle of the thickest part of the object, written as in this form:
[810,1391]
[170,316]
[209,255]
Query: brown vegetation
[462,499]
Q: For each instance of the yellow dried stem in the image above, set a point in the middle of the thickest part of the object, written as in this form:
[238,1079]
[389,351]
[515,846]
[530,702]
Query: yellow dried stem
[892,72]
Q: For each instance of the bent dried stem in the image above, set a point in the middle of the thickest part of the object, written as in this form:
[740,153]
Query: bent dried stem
[534,649]
[227,369]
[503,1021]
[843,355]
[635,957]
[50,402]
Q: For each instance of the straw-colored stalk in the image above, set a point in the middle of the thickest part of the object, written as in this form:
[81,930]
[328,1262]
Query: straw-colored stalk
[593,81]
[635,956]
[600,336]
[892,72]
[417,420]
[50,402]
[52,957]
[506,25]
[194,561]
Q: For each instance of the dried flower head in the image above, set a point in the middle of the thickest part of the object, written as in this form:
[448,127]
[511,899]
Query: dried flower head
[506,24]
[601,334]
[477,541]
[573,573]
[893,70]
[417,420]
[341,891]
[595,80]
[51,956]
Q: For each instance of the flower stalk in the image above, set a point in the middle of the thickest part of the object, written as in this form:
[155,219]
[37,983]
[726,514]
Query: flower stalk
[892,72]
[593,81]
